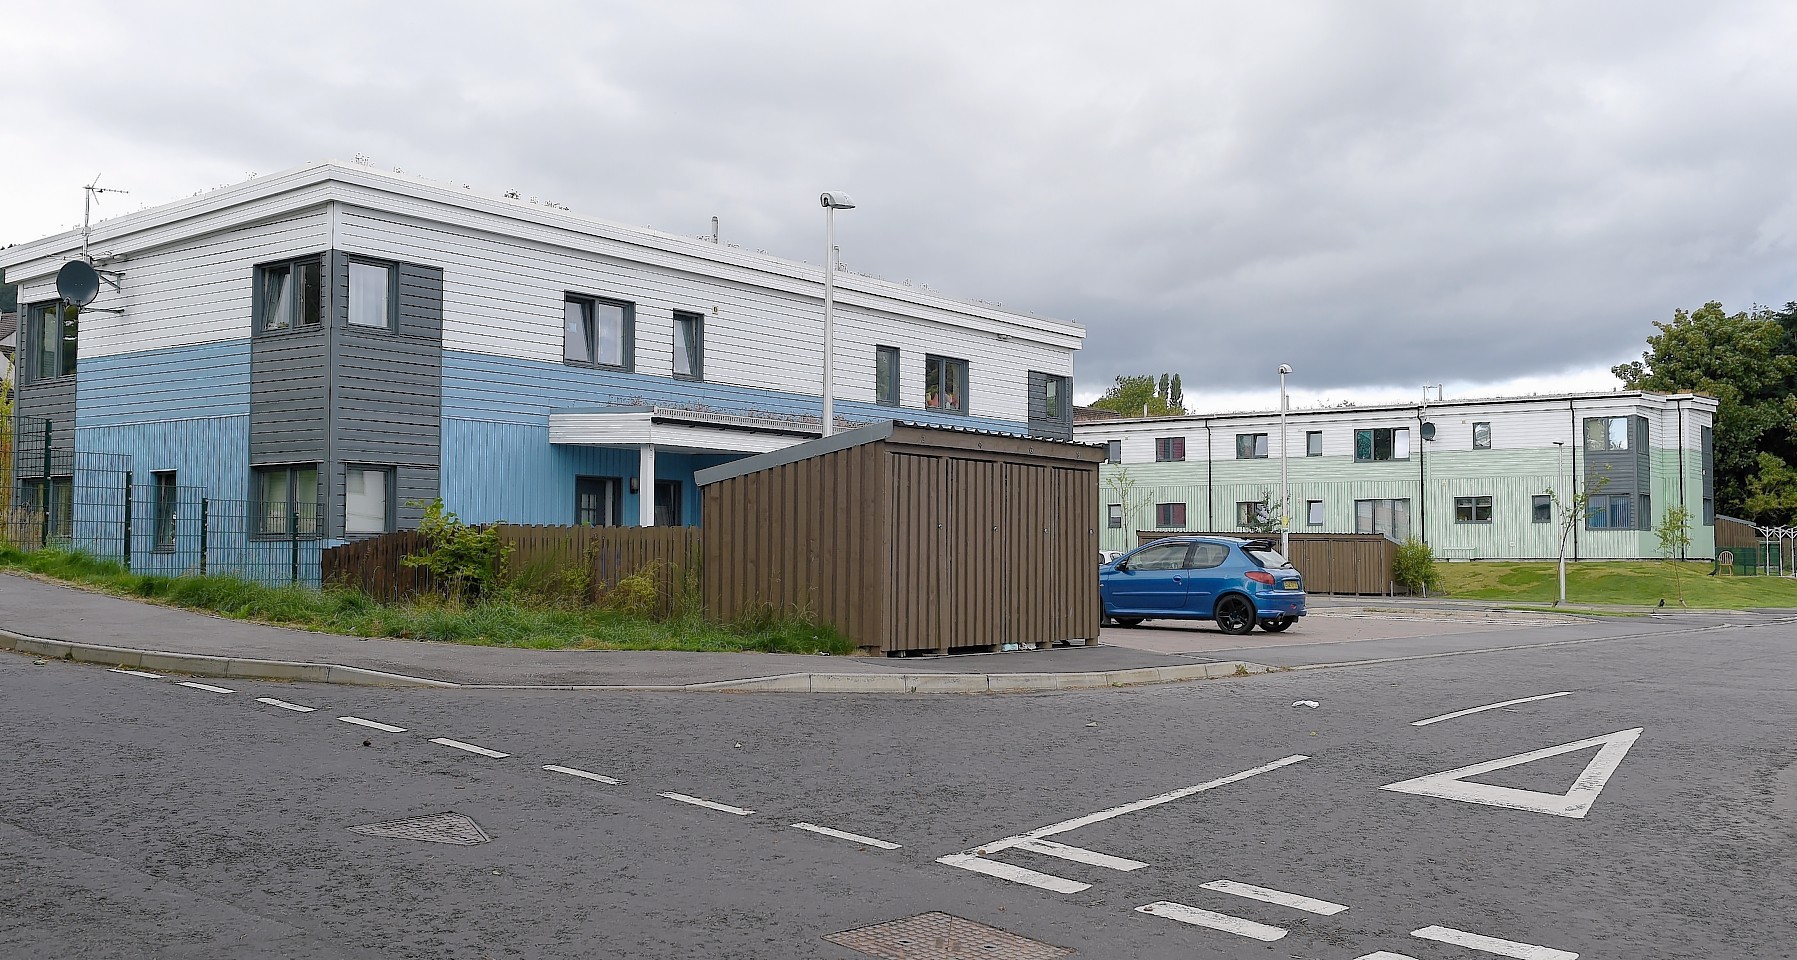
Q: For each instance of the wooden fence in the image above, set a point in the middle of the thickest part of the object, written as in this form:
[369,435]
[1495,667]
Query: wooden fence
[582,564]
[1348,563]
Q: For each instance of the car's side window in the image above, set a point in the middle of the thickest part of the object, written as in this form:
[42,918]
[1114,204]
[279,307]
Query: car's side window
[1171,556]
[1207,555]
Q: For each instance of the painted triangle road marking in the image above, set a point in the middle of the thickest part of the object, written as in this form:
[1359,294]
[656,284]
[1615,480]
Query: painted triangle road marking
[1575,802]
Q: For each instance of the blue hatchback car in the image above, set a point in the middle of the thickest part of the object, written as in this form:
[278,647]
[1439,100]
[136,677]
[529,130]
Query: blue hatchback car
[1238,583]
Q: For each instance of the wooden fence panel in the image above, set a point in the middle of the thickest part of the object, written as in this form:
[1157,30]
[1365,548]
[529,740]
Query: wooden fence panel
[373,566]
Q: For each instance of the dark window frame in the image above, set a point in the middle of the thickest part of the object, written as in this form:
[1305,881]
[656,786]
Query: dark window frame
[695,350]
[1113,451]
[887,359]
[302,316]
[1313,449]
[590,305]
[165,504]
[392,269]
[1113,516]
[1310,511]
[937,365]
[1164,514]
[1373,436]
[1257,447]
[676,503]
[616,507]
[390,522]
[1604,506]
[65,350]
[1482,443]
[1250,513]
[1609,444]
[1541,508]
[1057,406]
[1473,509]
[1169,449]
[61,505]
[310,528]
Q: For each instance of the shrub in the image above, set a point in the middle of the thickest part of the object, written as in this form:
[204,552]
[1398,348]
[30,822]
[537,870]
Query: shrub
[465,561]
[637,594]
[1414,567]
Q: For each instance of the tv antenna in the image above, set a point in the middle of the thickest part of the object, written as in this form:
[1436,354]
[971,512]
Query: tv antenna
[87,209]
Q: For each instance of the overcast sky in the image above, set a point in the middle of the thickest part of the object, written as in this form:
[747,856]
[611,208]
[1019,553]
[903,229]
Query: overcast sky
[1498,196]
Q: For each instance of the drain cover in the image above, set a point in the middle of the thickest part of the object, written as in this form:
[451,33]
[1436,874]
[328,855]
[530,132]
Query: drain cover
[939,936]
[436,828]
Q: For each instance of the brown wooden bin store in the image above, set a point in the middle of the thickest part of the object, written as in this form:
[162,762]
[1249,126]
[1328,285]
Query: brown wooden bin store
[910,538]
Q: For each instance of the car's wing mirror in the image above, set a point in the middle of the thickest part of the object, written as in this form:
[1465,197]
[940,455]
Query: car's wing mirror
[1122,566]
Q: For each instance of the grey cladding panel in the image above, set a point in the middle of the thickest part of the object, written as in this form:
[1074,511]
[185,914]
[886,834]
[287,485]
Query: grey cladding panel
[421,303]
[52,400]
[1057,425]
[289,380]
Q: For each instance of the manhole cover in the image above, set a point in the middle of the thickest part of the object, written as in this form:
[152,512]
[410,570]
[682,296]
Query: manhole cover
[939,936]
[436,828]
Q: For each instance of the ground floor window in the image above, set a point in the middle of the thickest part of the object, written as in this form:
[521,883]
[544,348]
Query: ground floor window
[1611,512]
[57,513]
[667,503]
[1541,508]
[1472,509]
[368,500]
[1313,513]
[164,494]
[1171,515]
[598,501]
[285,496]
[1250,513]
[1114,516]
[1389,517]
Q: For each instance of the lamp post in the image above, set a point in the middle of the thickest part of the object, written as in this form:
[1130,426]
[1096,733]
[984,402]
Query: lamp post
[1560,471]
[831,202]
[1285,491]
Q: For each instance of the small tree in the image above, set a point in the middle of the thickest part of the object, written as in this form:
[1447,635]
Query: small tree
[1413,567]
[1125,490]
[1674,533]
[1570,513]
[1268,514]
[466,562]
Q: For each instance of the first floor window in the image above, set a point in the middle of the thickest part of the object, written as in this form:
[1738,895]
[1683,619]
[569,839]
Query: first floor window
[1388,517]
[945,384]
[1382,443]
[290,295]
[886,376]
[1250,513]
[597,501]
[284,496]
[1313,443]
[689,345]
[599,332]
[367,500]
[54,513]
[1482,435]
[1313,513]
[1170,515]
[1250,446]
[1167,449]
[667,503]
[372,295]
[164,498]
[1541,508]
[52,333]
[1606,433]
[1472,509]
[1611,512]
[1051,405]
[1114,516]
[1113,451]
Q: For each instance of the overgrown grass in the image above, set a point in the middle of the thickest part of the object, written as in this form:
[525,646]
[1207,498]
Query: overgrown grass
[501,623]
[1614,582]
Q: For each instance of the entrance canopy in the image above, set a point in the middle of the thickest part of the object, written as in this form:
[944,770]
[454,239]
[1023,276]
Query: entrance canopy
[678,431]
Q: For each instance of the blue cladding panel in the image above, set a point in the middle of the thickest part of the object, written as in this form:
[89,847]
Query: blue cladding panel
[203,380]
[211,452]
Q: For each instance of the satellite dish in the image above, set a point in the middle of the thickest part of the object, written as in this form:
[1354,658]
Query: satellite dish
[78,282]
[1428,431]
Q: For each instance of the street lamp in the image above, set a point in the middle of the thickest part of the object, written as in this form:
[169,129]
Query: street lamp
[1559,471]
[1285,490]
[831,202]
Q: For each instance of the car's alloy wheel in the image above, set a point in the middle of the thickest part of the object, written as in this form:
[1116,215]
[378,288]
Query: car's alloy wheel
[1274,626]
[1234,615]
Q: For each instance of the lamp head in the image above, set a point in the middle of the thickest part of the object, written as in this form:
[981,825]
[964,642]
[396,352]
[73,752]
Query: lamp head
[837,201]
[1285,368]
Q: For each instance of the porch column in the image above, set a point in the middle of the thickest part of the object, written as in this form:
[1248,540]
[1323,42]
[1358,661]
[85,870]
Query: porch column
[645,486]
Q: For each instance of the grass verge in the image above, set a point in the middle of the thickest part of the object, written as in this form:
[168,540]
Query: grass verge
[500,623]
[1634,582]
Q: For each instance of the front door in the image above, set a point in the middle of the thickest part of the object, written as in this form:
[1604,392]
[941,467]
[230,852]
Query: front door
[667,503]
[1153,578]
[596,501]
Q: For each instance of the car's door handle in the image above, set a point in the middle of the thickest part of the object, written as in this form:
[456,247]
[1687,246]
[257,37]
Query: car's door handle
[1178,579]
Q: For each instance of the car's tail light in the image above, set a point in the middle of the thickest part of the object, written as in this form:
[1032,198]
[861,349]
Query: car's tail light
[1261,576]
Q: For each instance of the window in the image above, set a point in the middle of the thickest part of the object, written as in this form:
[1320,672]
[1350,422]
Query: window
[1113,451]
[599,332]
[58,516]
[598,501]
[689,345]
[1541,508]
[945,384]
[290,295]
[1168,449]
[284,494]
[1170,515]
[1250,513]
[1054,397]
[52,334]
[886,376]
[667,503]
[164,496]
[1382,443]
[1313,513]
[367,500]
[373,296]
[1472,509]
[1250,446]
[1206,556]
[1313,443]
[1389,517]
[1606,433]
[1610,512]
[1482,435]
[1160,556]
[1114,516]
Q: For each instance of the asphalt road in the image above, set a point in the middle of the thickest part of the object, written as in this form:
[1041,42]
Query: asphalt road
[142,818]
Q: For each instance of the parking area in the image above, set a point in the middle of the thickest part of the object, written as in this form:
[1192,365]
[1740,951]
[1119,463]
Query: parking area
[1344,623]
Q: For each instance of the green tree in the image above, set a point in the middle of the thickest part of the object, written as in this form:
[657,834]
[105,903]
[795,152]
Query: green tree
[1747,362]
[1772,492]
[1176,397]
[1136,396]
[1674,533]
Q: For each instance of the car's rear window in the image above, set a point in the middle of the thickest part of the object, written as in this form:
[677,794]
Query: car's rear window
[1265,557]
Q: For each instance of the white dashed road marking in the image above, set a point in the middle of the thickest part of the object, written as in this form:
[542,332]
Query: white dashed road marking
[137,673]
[709,804]
[1265,895]
[1503,948]
[1489,706]
[582,774]
[471,748]
[1005,871]
[1214,921]
[206,686]
[844,835]
[284,705]
[375,724]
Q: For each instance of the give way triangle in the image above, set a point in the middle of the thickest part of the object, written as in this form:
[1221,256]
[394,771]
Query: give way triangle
[1575,802]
